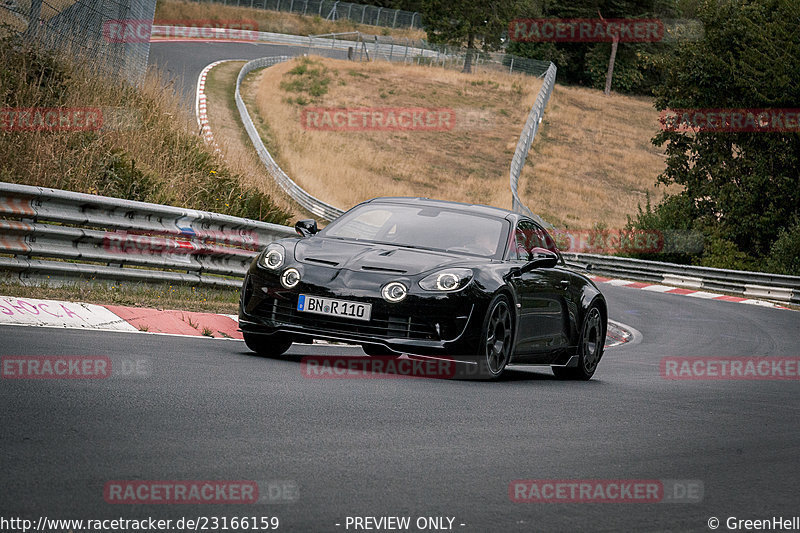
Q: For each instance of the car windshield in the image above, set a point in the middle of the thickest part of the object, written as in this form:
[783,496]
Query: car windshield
[432,228]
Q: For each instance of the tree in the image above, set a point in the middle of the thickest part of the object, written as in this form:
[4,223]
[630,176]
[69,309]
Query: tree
[637,65]
[742,189]
[460,22]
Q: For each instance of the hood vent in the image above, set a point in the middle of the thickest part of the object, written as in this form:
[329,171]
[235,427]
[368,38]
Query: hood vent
[382,269]
[322,261]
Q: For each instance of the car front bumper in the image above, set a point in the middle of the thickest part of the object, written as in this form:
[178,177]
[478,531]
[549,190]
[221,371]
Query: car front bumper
[424,323]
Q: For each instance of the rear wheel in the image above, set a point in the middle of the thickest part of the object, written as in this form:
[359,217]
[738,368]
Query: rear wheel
[497,339]
[268,345]
[590,348]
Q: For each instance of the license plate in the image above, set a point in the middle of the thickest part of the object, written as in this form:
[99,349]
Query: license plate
[333,307]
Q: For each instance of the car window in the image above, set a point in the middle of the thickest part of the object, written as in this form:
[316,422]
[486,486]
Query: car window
[528,239]
[435,228]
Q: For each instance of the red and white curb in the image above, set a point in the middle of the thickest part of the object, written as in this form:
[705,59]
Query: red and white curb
[51,313]
[666,289]
[619,333]
[201,103]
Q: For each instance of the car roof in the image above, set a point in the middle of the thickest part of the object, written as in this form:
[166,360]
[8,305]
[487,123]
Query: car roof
[471,208]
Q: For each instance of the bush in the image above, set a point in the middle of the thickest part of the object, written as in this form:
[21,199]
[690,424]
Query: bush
[721,253]
[151,154]
[784,257]
[673,217]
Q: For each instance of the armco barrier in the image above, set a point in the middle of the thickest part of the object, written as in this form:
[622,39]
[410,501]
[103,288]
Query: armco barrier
[315,206]
[525,140]
[327,41]
[62,235]
[747,284]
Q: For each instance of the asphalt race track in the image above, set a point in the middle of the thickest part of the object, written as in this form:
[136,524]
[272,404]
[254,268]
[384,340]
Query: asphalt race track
[211,410]
[183,61]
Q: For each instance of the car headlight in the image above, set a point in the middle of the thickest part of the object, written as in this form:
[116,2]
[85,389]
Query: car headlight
[290,278]
[394,292]
[273,257]
[451,279]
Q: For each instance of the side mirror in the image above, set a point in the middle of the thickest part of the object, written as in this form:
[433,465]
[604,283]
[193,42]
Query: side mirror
[541,259]
[306,228]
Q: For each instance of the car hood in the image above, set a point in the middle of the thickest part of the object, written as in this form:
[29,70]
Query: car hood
[371,257]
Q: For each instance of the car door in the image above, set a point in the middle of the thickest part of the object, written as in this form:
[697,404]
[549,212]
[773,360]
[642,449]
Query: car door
[542,297]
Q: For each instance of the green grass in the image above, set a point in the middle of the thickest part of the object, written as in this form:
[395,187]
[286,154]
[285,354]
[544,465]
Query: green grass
[309,78]
[165,296]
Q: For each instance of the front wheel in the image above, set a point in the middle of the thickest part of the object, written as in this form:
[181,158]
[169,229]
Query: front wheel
[590,348]
[268,345]
[497,339]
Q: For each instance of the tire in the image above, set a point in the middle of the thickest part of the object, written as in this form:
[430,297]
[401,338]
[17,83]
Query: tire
[590,348]
[497,338]
[376,350]
[268,345]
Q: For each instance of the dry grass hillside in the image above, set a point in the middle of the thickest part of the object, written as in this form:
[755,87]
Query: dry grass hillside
[147,149]
[272,21]
[592,162]
[466,163]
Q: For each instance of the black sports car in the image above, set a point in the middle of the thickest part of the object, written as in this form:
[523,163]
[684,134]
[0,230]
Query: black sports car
[428,278]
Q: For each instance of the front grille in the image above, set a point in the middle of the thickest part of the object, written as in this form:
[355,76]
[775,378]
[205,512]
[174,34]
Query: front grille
[380,325]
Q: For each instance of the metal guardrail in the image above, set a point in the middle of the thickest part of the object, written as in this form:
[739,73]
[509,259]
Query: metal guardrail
[373,46]
[748,284]
[189,32]
[370,47]
[55,235]
[420,51]
[310,203]
[525,140]
[50,234]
